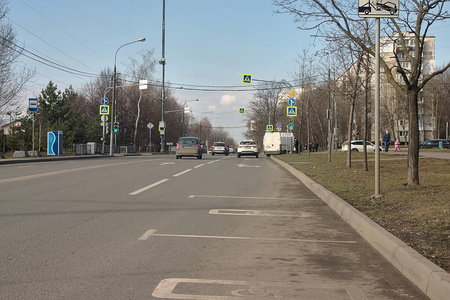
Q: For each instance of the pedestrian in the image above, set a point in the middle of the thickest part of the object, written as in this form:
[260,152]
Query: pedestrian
[386,141]
[316,147]
[397,146]
[296,145]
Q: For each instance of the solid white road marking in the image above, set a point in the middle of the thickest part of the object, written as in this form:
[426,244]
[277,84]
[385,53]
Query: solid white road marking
[40,175]
[148,187]
[252,198]
[151,232]
[259,213]
[245,290]
[199,166]
[167,163]
[181,173]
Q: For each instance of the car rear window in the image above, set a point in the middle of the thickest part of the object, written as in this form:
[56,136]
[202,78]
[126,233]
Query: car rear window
[187,142]
[248,143]
[219,144]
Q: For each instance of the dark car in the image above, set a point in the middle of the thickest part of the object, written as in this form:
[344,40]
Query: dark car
[388,6]
[435,144]
[189,146]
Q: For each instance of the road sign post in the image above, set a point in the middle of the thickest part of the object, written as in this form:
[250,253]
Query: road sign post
[377,9]
[33,107]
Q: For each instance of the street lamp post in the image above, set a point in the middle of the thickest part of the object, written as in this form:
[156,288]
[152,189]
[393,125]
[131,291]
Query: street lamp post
[113,108]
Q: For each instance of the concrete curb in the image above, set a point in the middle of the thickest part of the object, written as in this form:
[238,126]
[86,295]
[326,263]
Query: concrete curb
[431,279]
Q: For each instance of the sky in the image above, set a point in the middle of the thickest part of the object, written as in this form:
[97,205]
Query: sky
[207,43]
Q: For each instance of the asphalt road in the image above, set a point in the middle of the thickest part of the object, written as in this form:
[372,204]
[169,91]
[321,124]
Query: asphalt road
[159,228]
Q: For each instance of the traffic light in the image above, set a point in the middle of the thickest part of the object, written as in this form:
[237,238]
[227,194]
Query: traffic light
[116,127]
[291,123]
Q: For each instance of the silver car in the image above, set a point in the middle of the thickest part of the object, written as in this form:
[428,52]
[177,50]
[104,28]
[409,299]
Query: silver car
[189,146]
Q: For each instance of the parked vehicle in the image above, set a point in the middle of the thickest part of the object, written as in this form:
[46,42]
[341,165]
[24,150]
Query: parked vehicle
[231,149]
[357,146]
[274,143]
[219,148]
[248,147]
[435,144]
[188,146]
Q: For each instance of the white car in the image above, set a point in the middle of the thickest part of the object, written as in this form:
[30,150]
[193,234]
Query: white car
[357,146]
[247,147]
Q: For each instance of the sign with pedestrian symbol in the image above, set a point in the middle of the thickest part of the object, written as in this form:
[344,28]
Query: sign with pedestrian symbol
[242,110]
[247,78]
[104,109]
[292,111]
[269,128]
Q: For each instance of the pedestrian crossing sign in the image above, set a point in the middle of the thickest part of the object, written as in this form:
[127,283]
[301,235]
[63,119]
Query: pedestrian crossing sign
[104,109]
[247,78]
[269,128]
[292,111]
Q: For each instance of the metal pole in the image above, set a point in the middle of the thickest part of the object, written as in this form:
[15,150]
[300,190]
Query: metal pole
[113,103]
[163,62]
[329,115]
[377,108]
[113,107]
[33,134]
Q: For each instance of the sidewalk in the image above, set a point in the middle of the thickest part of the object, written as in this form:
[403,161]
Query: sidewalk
[431,279]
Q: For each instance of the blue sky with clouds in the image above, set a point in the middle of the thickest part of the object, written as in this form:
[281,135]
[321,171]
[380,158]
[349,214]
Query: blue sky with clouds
[208,42]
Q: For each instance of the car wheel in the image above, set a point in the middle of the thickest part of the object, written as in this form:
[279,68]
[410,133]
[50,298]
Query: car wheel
[239,156]
[177,157]
[256,155]
[355,150]
[212,153]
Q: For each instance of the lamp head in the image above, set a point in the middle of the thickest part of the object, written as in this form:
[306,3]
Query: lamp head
[141,40]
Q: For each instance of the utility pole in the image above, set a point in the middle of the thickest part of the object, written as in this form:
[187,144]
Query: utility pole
[162,61]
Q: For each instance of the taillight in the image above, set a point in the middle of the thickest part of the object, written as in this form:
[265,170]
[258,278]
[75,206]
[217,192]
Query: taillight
[178,146]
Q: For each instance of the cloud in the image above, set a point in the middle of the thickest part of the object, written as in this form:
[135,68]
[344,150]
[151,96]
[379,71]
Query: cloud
[227,100]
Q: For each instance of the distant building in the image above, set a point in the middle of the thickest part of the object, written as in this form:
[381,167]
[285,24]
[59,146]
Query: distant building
[8,128]
[394,107]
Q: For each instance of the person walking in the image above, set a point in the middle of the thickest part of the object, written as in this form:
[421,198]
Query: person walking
[386,141]
[296,145]
[397,146]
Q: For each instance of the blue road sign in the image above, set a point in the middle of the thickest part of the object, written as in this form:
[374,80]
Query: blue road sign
[269,128]
[32,104]
[291,102]
[105,101]
[104,109]
[247,78]
[279,125]
[292,111]
[242,110]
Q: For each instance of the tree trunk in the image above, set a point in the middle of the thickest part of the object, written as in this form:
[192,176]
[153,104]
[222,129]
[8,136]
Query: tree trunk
[349,134]
[413,147]
[137,119]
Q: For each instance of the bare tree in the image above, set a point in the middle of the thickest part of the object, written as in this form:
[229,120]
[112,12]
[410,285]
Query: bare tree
[416,18]
[12,79]
[141,70]
[265,108]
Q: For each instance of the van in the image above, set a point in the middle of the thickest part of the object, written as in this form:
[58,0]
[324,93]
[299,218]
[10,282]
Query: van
[275,143]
